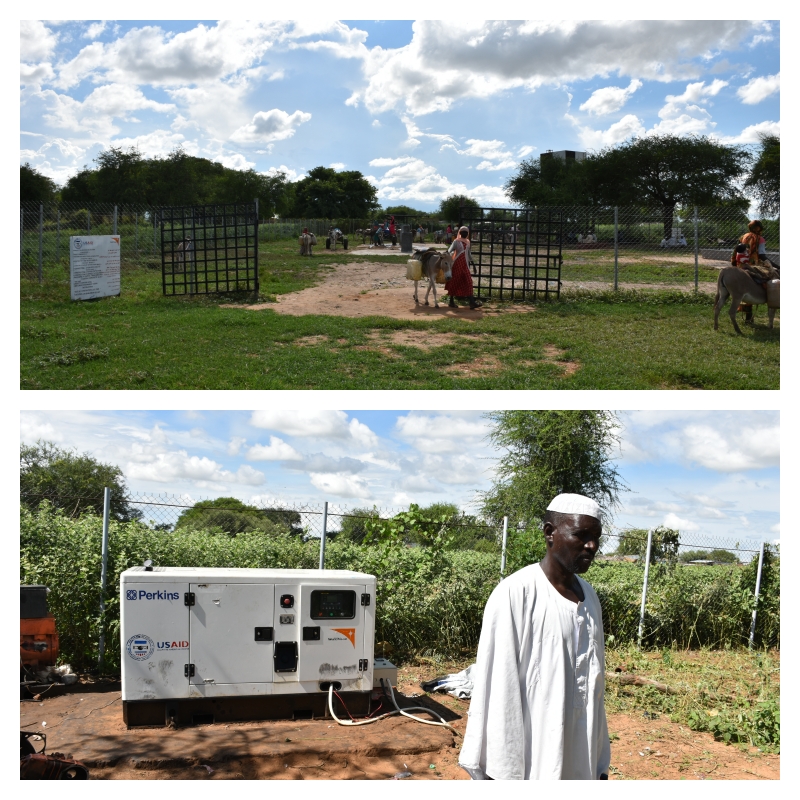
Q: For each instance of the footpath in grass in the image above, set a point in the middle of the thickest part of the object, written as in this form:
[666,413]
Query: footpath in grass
[143,340]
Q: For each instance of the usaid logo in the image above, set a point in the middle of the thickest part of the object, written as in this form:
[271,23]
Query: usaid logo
[140,647]
[141,594]
[77,244]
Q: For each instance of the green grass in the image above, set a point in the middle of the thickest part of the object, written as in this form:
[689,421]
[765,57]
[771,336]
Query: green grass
[143,340]
[734,694]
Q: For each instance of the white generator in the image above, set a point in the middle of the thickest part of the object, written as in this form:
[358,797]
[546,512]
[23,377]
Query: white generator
[204,644]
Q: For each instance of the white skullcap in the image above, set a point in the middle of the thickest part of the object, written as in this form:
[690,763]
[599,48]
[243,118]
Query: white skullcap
[575,504]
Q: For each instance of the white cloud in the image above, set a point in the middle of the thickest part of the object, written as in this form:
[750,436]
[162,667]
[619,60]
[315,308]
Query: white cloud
[337,165]
[629,126]
[434,433]
[270,126]
[444,64]
[674,521]
[751,448]
[235,445]
[759,89]
[291,174]
[316,424]
[36,41]
[159,142]
[94,30]
[609,99]
[776,528]
[376,123]
[169,467]
[276,450]
[341,485]
[750,135]
[392,162]
[525,151]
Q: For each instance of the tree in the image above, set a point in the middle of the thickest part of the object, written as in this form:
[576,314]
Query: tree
[664,546]
[450,207]
[232,516]
[71,481]
[547,453]
[720,556]
[327,194]
[764,179]
[405,211]
[668,171]
[35,187]
[354,525]
[549,181]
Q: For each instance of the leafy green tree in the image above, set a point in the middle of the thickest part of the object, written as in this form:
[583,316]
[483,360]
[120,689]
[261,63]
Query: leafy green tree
[35,187]
[764,179]
[720,556]
[71,481]
[405,211]
[354,525]
[327,194]
[549,181]
[664,546]
[450,207]
[667,171]
[547,453]
[232,516]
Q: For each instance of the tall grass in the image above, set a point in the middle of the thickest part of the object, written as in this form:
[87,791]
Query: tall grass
[428,599]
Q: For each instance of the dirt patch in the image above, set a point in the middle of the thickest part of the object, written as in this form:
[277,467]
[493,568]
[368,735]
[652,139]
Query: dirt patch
[481,366]
[644,748]
[365,288]
[310,341]
[555,355]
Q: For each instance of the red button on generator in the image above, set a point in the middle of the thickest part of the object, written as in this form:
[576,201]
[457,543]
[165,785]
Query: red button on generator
[287,601]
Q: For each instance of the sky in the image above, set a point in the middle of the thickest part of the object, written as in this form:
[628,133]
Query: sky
[684,469]
[424,109]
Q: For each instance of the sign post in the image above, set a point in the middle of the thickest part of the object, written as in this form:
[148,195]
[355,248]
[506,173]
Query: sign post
[94,266]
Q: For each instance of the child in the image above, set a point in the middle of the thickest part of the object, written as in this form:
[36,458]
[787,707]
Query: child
[741,255]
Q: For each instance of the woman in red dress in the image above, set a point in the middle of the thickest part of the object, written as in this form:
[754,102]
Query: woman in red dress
[460,284]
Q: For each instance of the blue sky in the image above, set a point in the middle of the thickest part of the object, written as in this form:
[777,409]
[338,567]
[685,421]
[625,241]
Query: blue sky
[424,109]
[684,468]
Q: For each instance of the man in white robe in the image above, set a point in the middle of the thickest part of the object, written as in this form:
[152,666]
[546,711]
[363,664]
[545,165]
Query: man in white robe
[537,709]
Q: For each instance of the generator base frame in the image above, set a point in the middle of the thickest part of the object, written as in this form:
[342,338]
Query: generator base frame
[186,712]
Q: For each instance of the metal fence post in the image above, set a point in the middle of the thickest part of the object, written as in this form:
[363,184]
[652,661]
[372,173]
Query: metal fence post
[696,251]
[644,587]
[616,248]
[505,543]
[155,231]
[88,221]
[256,248]
[758,591]
[104,576]
[115,220]
[322,538]
[58,233]
[41,233]
[136,232]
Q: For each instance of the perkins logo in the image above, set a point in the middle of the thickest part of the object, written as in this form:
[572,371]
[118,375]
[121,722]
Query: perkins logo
[172,645]
[132,594]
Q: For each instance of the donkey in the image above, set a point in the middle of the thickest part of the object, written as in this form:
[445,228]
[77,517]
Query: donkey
[307,241]
[741,288]
[431,261]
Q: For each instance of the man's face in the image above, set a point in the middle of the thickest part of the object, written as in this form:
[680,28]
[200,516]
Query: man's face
[575,540]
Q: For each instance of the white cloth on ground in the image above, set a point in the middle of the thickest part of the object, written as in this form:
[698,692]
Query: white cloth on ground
[457,684]
[537,709]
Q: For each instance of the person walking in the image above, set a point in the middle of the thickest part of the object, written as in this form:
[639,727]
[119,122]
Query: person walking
[537,710]
[459,286]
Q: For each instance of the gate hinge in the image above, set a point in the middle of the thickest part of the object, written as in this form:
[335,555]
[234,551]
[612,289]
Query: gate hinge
[365,599]
[188,598]
[363,664]
[188,670]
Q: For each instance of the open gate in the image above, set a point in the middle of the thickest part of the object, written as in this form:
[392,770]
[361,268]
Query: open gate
[516,252]
[207,249]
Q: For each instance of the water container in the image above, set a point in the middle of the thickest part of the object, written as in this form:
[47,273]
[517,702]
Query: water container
[414,270]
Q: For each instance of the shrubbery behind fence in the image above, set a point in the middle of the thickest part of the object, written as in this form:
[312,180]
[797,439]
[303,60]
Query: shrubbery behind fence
[433,579]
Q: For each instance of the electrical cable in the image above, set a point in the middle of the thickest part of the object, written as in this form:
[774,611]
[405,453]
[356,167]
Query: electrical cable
[442,723]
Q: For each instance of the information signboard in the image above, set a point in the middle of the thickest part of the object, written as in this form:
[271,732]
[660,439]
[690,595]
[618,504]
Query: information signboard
[94,266]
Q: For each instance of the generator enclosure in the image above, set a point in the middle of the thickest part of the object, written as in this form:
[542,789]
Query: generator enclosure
[215,634]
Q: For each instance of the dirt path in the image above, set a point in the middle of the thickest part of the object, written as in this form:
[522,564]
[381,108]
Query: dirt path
[365,287]
[89,726]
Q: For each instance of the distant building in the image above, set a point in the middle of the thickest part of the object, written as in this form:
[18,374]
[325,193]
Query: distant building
[564,155]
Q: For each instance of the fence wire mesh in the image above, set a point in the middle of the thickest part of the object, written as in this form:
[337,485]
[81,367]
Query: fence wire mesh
[699,590]
[602,247]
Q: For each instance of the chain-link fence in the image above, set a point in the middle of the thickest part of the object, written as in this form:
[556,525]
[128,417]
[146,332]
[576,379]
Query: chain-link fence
[692,590]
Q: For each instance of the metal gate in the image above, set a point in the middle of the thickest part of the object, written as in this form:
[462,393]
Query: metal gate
[207,249]
[516,252]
